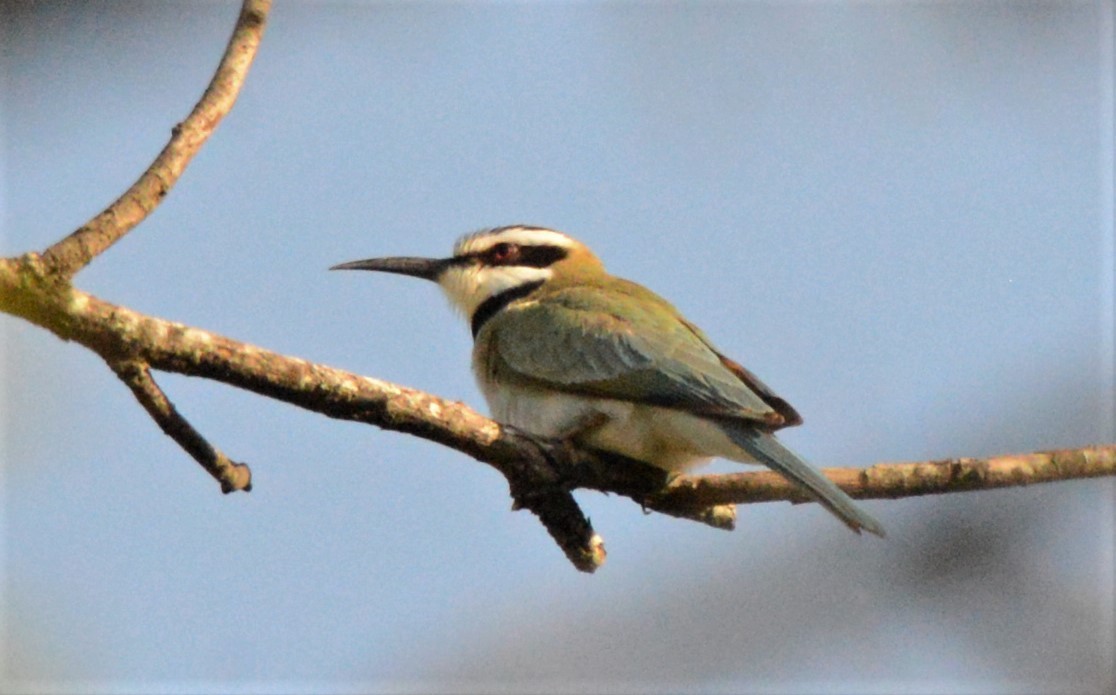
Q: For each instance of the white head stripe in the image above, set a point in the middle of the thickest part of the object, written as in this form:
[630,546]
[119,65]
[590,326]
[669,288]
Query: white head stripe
[524,236]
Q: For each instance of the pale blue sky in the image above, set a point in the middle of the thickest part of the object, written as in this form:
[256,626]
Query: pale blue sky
[899,215]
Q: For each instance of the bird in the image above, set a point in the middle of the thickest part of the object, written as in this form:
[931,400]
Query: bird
[563,349]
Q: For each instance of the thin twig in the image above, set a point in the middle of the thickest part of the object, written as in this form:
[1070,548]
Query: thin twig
[65,258]
[896,480]
[232,475]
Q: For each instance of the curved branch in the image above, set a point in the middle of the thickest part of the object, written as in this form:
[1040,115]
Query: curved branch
[129,341]
[65,258]
[540,473]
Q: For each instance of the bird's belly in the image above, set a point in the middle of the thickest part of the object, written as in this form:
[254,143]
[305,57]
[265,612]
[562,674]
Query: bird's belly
[666,438]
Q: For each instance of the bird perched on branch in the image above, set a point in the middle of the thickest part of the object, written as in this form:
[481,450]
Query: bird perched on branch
[563,349]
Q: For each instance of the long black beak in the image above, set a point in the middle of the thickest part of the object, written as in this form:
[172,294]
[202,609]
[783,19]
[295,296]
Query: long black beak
[425,268]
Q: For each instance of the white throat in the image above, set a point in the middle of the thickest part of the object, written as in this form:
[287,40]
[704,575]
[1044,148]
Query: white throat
[468,286]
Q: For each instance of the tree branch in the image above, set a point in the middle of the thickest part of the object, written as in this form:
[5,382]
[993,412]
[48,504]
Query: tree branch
[541,474]
[231,475]
[897,480]
[65,258]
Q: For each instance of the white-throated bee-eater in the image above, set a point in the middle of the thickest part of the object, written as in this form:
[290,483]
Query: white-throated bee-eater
[564,349]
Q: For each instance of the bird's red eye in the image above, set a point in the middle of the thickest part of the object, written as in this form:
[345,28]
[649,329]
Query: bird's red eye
[504,253]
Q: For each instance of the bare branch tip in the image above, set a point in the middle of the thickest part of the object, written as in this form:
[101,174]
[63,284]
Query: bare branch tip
[721,516]
[595,555]
[237,477]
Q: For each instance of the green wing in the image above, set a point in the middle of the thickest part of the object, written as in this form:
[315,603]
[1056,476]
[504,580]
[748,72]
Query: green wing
[630,344]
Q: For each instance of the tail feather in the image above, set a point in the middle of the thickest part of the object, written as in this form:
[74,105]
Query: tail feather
[769,451]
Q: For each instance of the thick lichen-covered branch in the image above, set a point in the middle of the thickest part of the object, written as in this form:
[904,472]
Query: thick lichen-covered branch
[132,343]
[540,473]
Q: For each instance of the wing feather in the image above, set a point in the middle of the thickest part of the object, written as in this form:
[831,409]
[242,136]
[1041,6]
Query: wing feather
[581,343]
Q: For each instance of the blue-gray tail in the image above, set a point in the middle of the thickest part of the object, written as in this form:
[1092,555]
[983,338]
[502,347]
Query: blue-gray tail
[766,449]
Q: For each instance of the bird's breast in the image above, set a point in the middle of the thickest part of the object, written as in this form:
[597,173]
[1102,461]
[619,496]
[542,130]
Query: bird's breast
[669,439]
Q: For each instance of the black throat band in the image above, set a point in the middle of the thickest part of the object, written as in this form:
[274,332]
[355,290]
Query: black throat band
[496,302]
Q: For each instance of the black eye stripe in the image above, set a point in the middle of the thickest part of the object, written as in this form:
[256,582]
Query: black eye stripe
[541,256]
[527,256]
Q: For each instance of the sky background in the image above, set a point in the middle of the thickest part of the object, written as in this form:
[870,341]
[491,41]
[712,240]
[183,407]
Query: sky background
[899,215]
